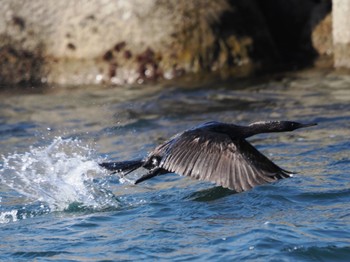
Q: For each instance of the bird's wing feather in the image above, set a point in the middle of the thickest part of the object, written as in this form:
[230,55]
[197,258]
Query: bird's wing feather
[215,157]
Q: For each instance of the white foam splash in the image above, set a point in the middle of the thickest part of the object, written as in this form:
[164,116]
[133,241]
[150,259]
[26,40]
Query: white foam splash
[8,216]
[58,175]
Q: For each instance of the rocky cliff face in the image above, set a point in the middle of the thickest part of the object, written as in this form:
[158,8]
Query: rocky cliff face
[84,42]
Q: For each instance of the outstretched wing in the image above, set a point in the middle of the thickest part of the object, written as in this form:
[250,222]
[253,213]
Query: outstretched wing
[215,157]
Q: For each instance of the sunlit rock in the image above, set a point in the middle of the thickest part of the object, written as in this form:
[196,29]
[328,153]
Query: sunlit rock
[82,42]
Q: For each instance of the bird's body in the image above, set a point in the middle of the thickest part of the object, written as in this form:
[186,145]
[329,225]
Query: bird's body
[215,152]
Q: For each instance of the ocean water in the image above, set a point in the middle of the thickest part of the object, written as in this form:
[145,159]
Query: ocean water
[57,204]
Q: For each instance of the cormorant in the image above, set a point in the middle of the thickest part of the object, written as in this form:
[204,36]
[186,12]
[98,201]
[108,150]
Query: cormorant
[215,152]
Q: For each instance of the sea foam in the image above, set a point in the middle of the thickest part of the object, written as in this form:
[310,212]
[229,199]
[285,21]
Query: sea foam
[60,176]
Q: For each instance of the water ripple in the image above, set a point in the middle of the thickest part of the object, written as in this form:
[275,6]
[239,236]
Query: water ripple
[57,204]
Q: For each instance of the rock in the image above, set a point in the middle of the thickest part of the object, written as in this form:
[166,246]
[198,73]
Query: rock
[341,33]
[117,41]
[321,28]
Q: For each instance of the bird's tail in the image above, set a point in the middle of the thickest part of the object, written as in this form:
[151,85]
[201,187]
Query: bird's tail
[123,166]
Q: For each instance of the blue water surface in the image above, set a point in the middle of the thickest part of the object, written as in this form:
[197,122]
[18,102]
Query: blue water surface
[57,204]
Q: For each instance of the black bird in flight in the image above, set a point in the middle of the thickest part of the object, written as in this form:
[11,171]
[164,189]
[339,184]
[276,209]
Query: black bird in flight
[215,152]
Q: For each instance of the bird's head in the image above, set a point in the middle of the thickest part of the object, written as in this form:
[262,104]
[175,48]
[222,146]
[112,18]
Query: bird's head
[278,126]
[290,125]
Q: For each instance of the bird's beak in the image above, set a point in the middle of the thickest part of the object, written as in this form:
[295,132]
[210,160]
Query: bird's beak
[307,125]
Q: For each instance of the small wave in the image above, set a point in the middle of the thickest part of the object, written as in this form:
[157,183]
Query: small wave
[62,175]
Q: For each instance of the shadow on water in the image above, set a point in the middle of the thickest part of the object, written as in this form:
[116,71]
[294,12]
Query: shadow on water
[316,253]
[211,194]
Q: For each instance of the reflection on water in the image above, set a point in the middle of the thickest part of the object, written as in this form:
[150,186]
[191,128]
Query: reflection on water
[55,198]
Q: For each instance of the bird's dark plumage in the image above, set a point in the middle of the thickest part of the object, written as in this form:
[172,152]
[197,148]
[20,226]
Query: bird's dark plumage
[215,152]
